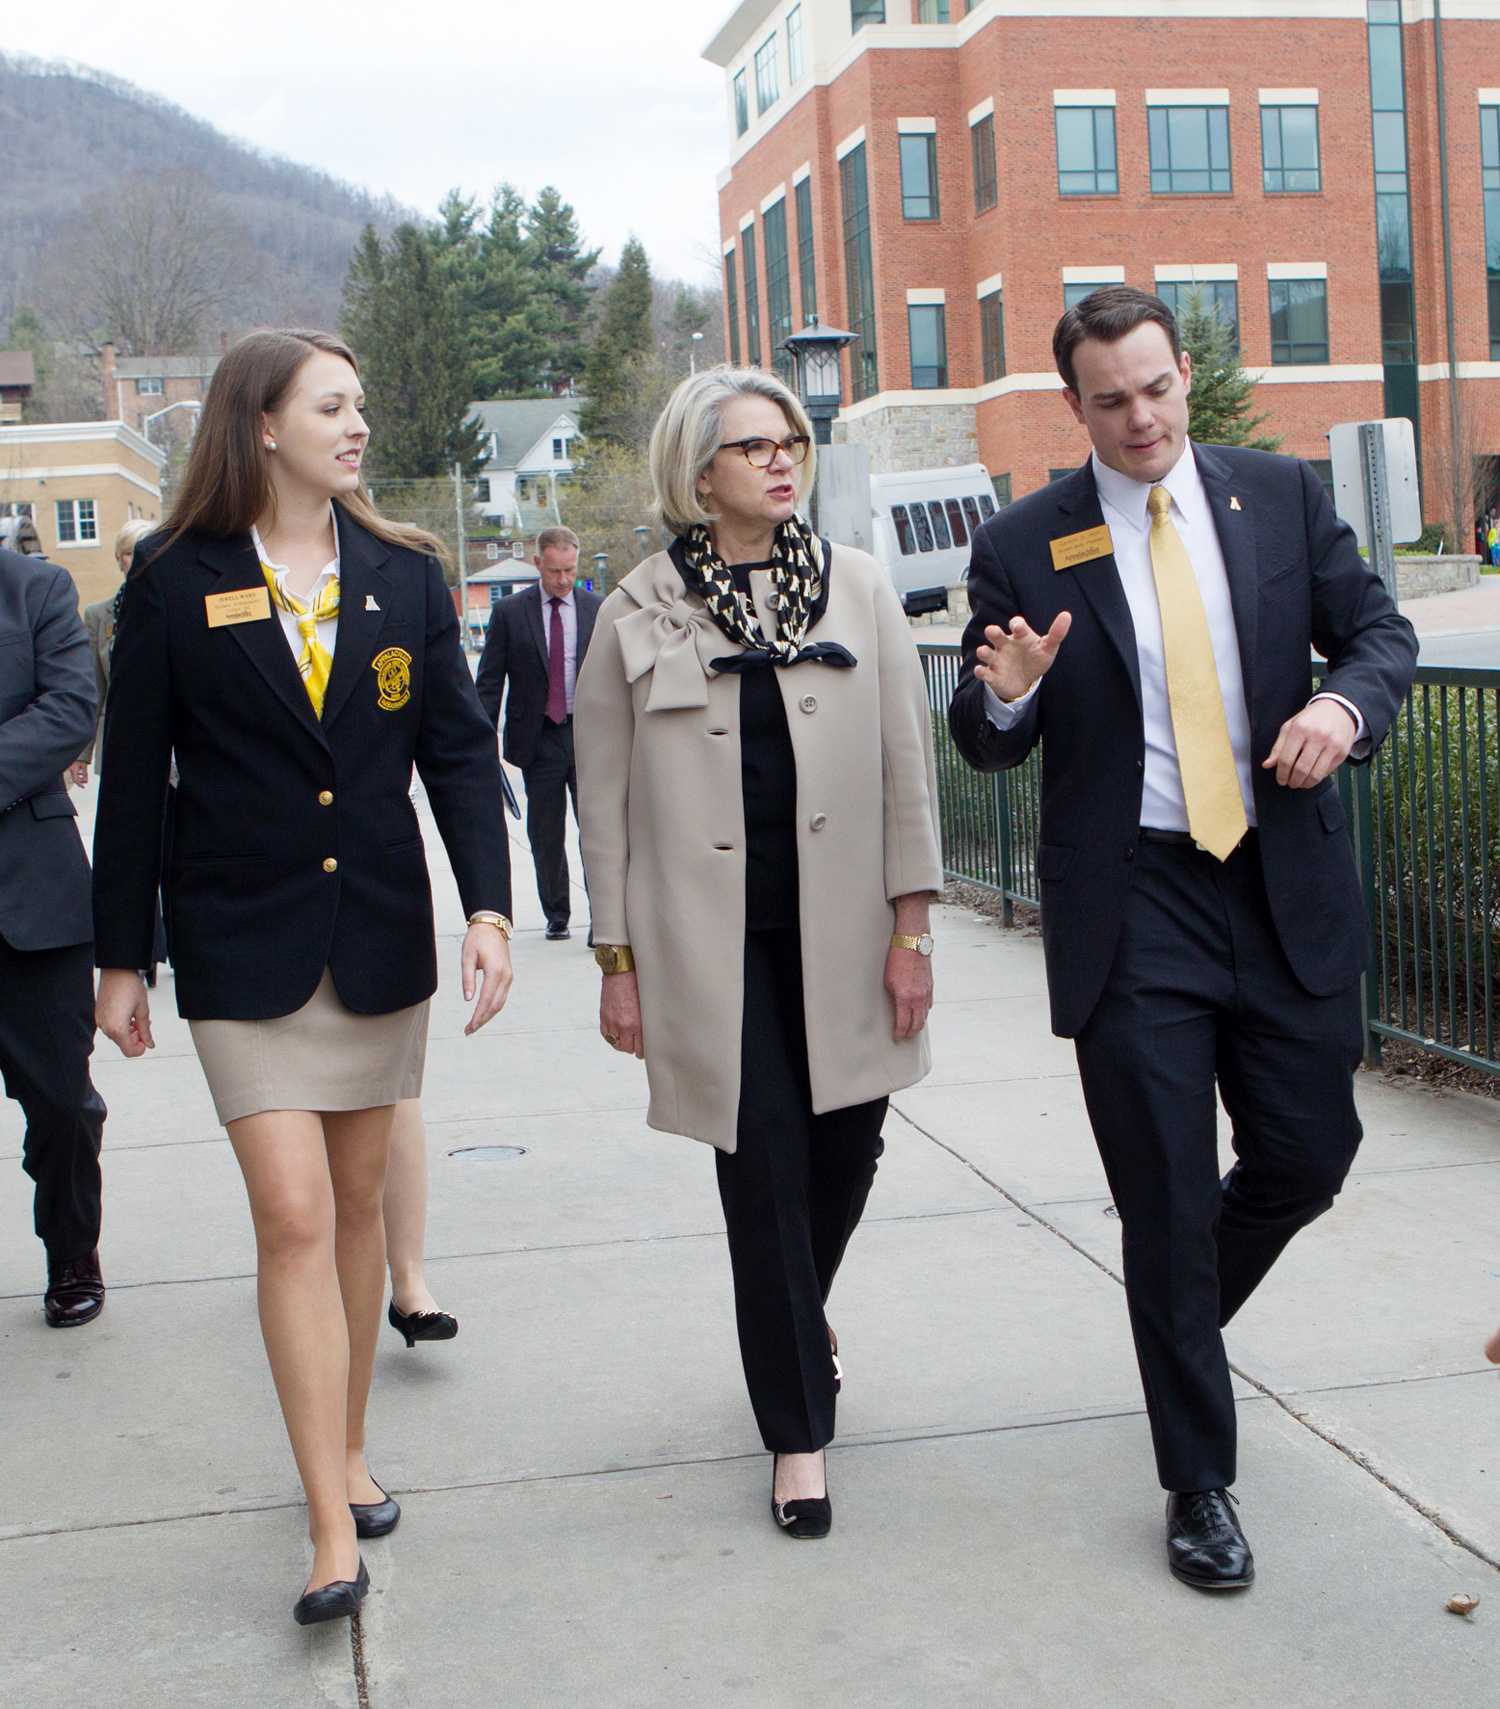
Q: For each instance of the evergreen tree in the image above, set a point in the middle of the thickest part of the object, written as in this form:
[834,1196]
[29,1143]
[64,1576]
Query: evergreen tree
[561,267]
[621,345]
[1219,403]
[402,317]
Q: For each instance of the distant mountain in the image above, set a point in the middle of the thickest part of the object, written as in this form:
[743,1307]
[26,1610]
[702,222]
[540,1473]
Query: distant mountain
[67,133]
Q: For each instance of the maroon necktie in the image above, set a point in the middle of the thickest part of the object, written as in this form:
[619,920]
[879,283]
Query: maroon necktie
[557,694]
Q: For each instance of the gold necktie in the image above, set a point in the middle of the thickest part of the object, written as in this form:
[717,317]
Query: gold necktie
[1210,784]
[316,662]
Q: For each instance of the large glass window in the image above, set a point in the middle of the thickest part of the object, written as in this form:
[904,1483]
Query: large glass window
[932,11]
[732,307]
[982,149]
[1073,295]
[919,188]
[1189,150]
[77,524]
[778,288]
[796,52]
[1220,295]
[1299,320]
[862,12]
[765,75]
[752,297]
[806,268]
[1489,156]
[859,275]
[1086,163]
[927,327]
[741,103]
[992,336]
[1289,149]
[1001,484]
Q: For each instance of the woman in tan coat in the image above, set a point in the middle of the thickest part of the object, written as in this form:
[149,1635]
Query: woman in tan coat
[758,815]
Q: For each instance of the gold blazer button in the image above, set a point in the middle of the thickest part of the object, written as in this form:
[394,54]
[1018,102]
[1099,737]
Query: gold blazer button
[330,865]
[325,798]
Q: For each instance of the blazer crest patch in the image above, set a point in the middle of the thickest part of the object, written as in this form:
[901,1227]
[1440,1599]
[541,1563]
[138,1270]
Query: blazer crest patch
[392,670]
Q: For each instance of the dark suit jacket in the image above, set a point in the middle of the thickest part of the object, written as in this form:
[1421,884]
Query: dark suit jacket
[515,649]
[255,916]
[1297,583]
[47,706]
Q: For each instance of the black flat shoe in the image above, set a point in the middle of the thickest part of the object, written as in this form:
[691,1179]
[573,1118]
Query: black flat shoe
[806,1519]
[422,1325]
[375,1518]
[332,1601]
[1205,1546]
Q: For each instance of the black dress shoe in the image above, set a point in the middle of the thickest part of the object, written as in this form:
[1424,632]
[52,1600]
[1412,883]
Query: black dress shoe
[422,1325]
[332,1601]
[806,1519]
[556,934]
[1205,1546]
[375,1518]
[75,1291]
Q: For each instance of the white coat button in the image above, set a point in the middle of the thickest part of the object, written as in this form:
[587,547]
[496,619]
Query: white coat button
[809,703]
[818,821]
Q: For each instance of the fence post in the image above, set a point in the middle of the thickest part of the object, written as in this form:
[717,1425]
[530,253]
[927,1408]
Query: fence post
[1007,853]
[1364,860]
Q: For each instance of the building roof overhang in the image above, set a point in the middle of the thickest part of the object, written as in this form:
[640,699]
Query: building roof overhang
[743,21]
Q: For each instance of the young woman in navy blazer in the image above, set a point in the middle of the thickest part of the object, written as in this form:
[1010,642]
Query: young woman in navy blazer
[299,654]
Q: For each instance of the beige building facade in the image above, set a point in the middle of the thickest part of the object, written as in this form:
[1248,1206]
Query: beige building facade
[80,482]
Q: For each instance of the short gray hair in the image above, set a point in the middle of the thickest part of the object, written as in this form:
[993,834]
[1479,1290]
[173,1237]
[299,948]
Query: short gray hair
[689,431]
[562,539]
[132,533]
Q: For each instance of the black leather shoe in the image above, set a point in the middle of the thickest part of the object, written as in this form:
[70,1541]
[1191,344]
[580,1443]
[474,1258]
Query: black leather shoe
[422,1325]
[1205,1546]
[806,1519]
[556,934]
[332,1601]
[75,1291]
[375,1518]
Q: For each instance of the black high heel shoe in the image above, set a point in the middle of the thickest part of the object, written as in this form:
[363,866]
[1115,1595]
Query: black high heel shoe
[422,1325]
[332,1601]
[806,1519]
[375,1518]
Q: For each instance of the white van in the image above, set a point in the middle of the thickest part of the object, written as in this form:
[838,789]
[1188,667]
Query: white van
[922,521]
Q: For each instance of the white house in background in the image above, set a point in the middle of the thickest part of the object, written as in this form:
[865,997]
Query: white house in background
[529,446]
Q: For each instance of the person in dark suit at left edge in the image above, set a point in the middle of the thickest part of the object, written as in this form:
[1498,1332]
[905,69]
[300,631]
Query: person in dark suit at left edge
[299,653]
[47,706]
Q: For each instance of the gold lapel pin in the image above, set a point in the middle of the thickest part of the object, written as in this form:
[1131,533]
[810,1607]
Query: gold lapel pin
[1234,503]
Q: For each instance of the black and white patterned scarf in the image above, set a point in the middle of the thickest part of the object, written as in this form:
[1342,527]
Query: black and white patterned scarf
[799,574]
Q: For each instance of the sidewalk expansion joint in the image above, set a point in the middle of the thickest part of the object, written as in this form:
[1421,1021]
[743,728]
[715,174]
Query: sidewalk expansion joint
[1350,1453]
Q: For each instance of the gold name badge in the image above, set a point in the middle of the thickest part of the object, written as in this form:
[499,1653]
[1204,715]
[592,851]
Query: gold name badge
[244,605]
[1081,548]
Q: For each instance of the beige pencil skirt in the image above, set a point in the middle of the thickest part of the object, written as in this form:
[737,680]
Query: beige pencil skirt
[321,1057]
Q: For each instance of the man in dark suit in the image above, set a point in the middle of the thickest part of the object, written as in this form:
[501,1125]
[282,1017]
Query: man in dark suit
[47,707]
[1149,620]
[537,639]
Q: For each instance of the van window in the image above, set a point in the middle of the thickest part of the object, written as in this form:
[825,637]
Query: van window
[956,522]
[971,513]
[986,506]
[924,533]
[904,537]
[939,525]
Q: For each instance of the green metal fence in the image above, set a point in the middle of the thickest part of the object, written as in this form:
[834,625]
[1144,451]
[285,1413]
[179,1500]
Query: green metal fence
[1425,823]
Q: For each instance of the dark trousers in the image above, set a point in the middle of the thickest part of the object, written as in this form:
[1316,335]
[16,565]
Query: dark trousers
[46,1035]
[550,779]
[1200,993]
[793,1193]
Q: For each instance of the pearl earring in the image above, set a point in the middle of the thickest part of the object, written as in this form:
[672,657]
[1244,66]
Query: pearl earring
[270,445]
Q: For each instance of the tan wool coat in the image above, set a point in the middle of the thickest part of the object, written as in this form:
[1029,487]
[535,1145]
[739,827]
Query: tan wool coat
[662,822]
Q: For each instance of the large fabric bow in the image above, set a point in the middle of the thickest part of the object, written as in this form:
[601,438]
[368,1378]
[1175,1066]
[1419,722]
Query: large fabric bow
[672,638]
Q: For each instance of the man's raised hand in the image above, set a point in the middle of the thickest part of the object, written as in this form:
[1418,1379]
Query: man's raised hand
[1011,663]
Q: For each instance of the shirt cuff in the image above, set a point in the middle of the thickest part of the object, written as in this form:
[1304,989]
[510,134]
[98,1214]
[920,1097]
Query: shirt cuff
[1006,714]
[1361,747]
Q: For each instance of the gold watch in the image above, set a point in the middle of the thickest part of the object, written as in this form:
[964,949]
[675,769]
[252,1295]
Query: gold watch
[921,942]
[614,958]
[488,917]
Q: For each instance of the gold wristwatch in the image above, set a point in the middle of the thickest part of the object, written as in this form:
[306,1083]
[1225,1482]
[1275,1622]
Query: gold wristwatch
[614,958]
[921,942]
[488,917]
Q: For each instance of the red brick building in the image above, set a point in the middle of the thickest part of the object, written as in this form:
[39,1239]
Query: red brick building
[941,176]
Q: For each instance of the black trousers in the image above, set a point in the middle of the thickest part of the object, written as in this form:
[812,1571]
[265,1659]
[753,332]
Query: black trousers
[46,1036]
[793,1194]
[550,779]
[1200,993]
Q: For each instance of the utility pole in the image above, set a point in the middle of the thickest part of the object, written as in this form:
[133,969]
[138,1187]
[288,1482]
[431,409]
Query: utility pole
[463,556]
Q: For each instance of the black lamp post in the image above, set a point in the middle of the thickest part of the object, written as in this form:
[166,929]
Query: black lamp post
[815,350]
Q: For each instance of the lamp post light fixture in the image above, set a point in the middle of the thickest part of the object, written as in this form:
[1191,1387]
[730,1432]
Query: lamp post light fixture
[815,350]
[697,339]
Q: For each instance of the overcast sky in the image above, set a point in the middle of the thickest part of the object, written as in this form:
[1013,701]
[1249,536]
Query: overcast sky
[611,102]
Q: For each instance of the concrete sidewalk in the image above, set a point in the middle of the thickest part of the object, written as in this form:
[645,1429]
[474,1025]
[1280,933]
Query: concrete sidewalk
[585,1494]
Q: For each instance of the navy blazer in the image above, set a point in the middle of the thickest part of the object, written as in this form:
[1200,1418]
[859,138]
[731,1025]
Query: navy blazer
[296,846]
[515,650]
[1297,584]
[47,704]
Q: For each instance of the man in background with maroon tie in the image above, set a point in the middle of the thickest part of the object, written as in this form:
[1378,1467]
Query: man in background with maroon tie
[536,642]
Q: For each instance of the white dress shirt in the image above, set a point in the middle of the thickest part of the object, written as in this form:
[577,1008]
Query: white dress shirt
[1123,502]
[328,629]
[569,616]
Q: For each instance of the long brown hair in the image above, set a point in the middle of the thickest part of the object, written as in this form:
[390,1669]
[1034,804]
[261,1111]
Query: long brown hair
[228,480]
